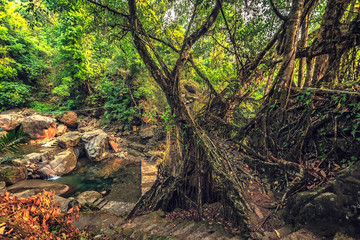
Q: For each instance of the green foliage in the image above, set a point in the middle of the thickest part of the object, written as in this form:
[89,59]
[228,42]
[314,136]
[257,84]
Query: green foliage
[43,107]
[119,104]
[169,118]
[14,94]
[304,98]
[13,140]
[21,56]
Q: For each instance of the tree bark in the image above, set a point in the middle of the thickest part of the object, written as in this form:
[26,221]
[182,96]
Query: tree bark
[286,73]
[302,45]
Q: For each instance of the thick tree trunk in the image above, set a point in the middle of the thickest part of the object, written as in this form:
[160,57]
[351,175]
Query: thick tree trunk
[286,73]
[330,28]
[309,71]
[302,45]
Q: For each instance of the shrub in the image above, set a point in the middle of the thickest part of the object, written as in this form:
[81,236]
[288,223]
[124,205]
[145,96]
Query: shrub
[36,217]
[14,94]
[120,106]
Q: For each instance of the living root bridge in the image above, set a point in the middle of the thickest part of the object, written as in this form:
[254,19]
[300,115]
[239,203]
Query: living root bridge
[170,191]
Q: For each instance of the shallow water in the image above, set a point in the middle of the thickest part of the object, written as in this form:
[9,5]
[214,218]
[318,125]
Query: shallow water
[122,185]
[24,150]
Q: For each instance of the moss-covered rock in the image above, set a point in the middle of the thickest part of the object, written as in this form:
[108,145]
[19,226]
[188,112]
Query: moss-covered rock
[12,174]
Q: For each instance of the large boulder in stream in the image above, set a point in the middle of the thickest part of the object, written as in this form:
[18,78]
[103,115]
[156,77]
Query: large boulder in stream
[70,139]
[96,144]
[10,121]
[31,187]
[64,162]
[39,127]
[12,174]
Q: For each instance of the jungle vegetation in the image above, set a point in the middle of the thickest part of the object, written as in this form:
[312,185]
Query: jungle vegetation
[278,77]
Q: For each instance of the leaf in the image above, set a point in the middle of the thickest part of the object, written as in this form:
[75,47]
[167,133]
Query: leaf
[2,230]
[337,167]
[323,173]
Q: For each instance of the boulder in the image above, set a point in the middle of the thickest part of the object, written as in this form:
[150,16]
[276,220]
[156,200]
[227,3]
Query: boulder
[12,174]
[96,144]
[61,129]
[35,186]
[70,139]
[40,127]
[88,196]
[63,202]
[46,171]
[148,132]
[44,156]
[9,121]
[69,119]
[64,162]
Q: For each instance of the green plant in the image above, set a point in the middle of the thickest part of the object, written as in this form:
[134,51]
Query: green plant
[14,94]
[43,107]
[13,140]
[168,118]
[119,104]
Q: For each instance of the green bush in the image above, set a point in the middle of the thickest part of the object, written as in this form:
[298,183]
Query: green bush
[119,105]
[14,94]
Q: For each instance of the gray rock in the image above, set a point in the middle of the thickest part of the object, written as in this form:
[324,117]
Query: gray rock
[44,156]
[64,203]
[96,144]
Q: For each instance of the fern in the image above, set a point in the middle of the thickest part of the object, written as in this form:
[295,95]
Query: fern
[13,140]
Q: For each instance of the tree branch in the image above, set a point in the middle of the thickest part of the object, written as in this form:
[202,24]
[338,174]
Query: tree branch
[108,9]
[191,40]
[276,11]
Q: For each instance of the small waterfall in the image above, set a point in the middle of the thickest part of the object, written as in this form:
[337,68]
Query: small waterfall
[53,177]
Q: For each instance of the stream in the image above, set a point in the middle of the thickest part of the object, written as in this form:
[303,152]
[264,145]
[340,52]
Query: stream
[120,182]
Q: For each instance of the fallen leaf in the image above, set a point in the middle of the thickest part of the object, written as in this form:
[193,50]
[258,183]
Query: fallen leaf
[2,230]
[277,233]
